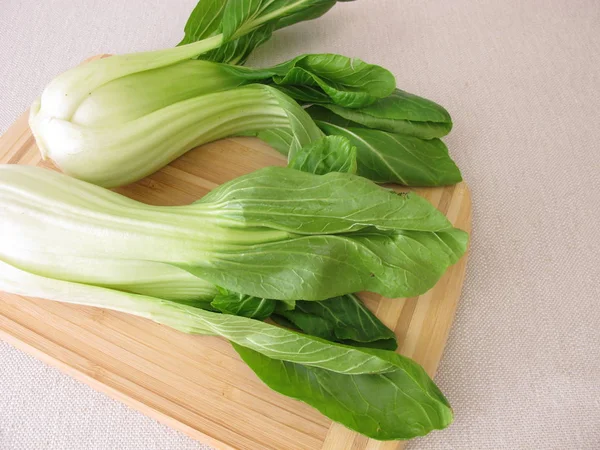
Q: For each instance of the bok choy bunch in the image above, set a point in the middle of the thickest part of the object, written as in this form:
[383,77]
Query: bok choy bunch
[378,393]
[132,125]
[114,121]
[138,116]
[276,233]
[288,244]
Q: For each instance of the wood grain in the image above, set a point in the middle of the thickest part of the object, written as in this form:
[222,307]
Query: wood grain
[198,384]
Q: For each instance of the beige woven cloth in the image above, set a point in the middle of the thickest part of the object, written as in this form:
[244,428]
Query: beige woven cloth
[522,81]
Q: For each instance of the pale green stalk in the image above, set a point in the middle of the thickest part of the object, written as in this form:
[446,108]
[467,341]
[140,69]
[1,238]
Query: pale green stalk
[140,244]
[70,211]
[274,342]
[118,154]
[133,96]
[76,84]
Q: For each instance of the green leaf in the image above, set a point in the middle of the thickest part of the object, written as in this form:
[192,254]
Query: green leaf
[282,198]
[395,264]
[375,392]
[243,305]
[386,157]
[306,323]
[246,24]
[341,319]
[206,21]
[359,237]
[274,342]
[117,155]
[324,78]
[329,154]
[400,404]
[300,126]
[400,112]
[329,78]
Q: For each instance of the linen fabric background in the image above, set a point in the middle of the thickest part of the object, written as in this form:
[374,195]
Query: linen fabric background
[521,80]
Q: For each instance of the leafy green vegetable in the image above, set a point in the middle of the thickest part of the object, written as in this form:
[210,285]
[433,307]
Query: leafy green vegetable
[204,21]
[386,157]
[329,154]
[243,25]
[135,276]
[400,112]
[282,199]
[276,233]
[378,393]
[243,305]
[133,96]
[278,138]
[341,319]
[398,404]
[129,98]
[118,119]
[327,78]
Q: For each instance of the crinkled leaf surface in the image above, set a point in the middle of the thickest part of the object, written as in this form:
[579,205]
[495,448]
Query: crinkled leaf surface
[324,78]
[329,78]
[329,154]
[304,203]
[394,264]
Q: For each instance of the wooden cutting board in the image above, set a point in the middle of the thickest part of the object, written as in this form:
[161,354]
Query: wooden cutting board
[198,384]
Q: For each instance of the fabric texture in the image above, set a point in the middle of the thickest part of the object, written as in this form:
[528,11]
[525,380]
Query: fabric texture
[521,80]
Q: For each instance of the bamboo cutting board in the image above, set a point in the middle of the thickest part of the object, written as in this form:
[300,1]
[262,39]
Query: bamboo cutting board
[198,384]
